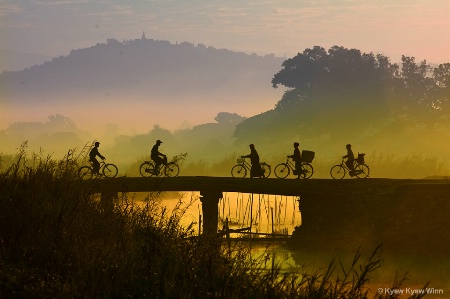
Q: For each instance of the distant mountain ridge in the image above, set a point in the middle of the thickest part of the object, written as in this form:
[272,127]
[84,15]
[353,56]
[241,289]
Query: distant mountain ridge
[15,61]
[138,69]
[139,83]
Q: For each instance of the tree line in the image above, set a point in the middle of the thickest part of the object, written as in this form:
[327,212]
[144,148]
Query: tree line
[340,92]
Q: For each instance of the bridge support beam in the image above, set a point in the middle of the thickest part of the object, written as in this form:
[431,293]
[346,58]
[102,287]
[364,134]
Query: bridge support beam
[407,219]
[210,209]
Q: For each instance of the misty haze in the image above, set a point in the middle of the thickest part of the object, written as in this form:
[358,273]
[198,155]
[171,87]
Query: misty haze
[211,103]
[207,110]
[140,83]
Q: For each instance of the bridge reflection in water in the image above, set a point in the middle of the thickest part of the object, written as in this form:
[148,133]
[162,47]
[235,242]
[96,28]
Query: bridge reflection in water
[409,217]
[213,191]
[259,214]
[362,207]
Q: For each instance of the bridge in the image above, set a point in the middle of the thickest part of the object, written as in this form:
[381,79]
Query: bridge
[327,205]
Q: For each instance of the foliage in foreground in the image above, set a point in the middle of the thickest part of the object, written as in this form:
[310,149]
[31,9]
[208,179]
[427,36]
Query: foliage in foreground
[57,239]
[381,166]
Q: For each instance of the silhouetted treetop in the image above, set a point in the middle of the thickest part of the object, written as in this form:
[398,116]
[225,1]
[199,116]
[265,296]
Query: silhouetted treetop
[345,93]
[339,67]
[416,87]
[228,118]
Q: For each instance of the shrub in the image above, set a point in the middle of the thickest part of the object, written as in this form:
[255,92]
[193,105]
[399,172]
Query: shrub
[57,239]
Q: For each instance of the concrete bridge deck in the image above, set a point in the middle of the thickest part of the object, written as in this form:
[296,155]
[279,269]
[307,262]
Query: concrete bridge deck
[329,207]
[275,186]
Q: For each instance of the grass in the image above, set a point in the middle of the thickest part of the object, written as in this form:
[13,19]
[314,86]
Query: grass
[381,166]
[57,240]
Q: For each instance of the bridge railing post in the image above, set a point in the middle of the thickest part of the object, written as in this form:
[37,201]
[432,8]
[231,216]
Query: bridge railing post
[210,209]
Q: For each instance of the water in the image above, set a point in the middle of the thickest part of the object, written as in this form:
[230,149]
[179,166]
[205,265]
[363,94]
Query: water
[274,214]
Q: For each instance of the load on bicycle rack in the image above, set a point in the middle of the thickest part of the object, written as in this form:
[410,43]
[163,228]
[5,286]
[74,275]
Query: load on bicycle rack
[171,169]
[360,168]
[242,167]
[282,170]
[298,165]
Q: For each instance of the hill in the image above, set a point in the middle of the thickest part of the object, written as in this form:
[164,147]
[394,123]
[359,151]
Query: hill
[143,82]
[16,61]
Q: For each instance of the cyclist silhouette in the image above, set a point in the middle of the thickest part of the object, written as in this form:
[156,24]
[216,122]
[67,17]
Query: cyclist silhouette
[256,170]
[297,158]
[157,157]
[92,154]
[350,159]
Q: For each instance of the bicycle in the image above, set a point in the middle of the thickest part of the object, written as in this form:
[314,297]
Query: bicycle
[282,170]
[361,169]
[147,169]
[108,170]
[240,170]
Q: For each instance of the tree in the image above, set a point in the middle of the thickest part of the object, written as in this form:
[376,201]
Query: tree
[441,76]
[345,93]
[332,86]
[228,118]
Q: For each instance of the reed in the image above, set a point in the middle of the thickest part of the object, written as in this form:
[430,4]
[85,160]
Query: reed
[385,165]
[57,240]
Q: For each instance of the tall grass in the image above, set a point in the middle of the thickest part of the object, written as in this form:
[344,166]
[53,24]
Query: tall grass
[381,166]
[58,241]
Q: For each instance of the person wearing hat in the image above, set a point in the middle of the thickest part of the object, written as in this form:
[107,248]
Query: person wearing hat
[92,154]
[157,157]
[350,159]
[256,170]
[297,158]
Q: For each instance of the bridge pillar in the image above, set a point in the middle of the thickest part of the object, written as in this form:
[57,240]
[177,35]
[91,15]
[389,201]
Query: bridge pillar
[210,209]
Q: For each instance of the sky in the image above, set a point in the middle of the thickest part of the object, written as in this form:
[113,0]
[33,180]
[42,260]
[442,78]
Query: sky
[414,28]
[393,28]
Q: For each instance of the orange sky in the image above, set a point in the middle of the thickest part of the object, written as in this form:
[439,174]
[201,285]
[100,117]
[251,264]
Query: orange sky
[407,27]
[284,27]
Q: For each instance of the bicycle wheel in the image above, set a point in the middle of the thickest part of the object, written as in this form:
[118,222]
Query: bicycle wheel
[110,170]
[307,171]
[172,170]
[85,172]
[266,170]
[362,171]
[146,169]
[337,172]
[239,171]
[282,170]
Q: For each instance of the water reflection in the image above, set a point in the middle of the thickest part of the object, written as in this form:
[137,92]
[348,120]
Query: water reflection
[272,214]
[263,214]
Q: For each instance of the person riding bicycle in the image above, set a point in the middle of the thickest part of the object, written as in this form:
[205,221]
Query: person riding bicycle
[157,157]
[297,158]
[256,170]
[350,159]
[92,154]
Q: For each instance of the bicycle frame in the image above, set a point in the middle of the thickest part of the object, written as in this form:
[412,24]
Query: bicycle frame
[245,164]
[360,170]
[170,169]
[282,170]
[102,165]
[290,164]
[242,167]
[344,165]
[105,169]
[355,164]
